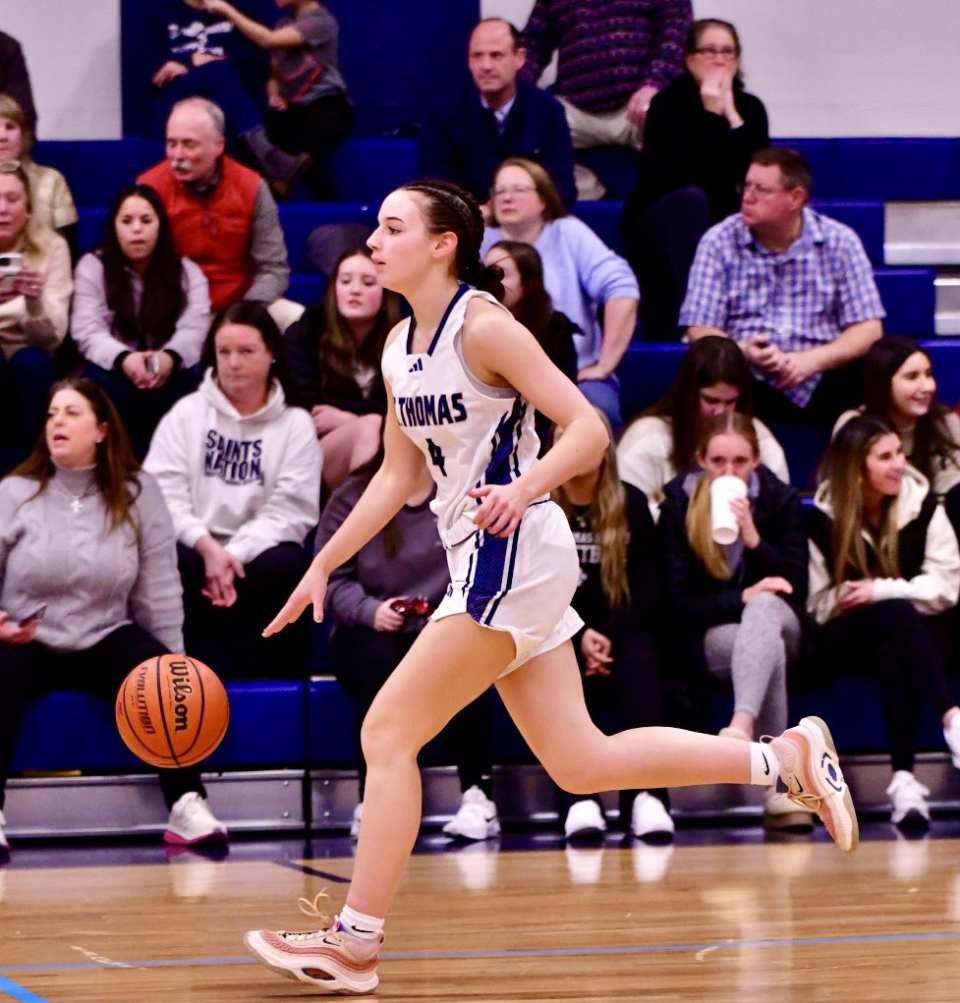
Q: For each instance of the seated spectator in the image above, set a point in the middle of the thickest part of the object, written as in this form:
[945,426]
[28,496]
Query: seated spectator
[701,131]
[15,80]
[34,311]
[222,214]
[713,379]
[525,296]
[50,194]
[611,61]
[81,605]
[334,352]
[618,599]
[378,602]
[467,134]
[240,471]
[883,563]
[199,54]
[899,386]
[581,274]
[737,607]
[140,314]
[793,288]
[310,113]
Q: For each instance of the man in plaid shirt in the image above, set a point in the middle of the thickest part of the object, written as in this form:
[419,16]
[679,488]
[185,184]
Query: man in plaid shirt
[795,289]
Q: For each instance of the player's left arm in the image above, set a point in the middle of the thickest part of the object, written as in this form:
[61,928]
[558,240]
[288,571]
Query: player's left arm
[500,351]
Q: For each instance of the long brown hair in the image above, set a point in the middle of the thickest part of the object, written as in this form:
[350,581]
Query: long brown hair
[116,464]
[699,528]
[608,520]
[842,470]
[934,445]
[708,361]
[339,353]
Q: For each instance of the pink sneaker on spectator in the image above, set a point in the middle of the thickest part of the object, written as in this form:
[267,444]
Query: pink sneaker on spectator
[810,768]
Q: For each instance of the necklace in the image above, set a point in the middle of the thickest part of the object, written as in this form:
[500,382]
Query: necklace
[76,502]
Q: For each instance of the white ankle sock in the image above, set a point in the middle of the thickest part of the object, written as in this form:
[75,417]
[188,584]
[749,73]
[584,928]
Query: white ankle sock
[359,925]
[764,765]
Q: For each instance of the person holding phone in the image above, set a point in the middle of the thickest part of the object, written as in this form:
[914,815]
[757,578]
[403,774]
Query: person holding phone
[80,606]
[34,312]
[140,313]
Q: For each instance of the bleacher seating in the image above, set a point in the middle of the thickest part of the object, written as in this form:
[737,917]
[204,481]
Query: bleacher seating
[286,724]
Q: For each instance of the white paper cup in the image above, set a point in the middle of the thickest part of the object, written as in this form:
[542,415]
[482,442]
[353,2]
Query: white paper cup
[723,522]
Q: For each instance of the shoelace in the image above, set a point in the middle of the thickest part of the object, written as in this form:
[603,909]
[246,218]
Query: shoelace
[311,908]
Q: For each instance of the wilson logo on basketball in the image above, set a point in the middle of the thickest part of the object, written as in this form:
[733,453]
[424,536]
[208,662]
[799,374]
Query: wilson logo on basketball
[180,672]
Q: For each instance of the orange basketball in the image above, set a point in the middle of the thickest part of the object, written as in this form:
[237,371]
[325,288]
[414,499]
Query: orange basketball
[172,711]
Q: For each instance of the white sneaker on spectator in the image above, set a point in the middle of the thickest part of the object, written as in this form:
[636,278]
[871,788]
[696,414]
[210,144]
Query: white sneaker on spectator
[191,821]
[584,819]
[649,819]
[355,821]
[4,845]
[909,799]
[476,817]
[952,734]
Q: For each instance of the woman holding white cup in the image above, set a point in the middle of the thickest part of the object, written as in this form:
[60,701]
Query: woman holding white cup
[736,561]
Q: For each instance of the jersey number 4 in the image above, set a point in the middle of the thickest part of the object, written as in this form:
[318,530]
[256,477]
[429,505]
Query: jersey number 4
[436,456]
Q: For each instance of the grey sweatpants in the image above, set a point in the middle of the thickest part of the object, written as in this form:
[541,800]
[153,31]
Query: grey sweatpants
[753,655]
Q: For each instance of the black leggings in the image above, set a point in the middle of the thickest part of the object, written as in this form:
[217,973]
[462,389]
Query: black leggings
[635,689]
[364,658]
[230,639]
[27,671]
[892,644]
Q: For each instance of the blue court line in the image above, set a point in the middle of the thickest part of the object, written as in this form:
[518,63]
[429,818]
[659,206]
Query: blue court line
[17,992]
[508,953]
[312,871]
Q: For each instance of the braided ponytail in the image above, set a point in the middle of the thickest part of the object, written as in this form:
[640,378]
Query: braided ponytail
[448,208]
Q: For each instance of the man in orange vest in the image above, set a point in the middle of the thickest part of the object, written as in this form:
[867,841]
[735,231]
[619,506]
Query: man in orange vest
[222,214]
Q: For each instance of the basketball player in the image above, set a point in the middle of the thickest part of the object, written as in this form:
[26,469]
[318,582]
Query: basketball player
[463,381]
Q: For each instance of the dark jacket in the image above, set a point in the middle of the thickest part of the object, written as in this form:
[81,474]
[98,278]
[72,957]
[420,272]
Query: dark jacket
[14,78]
[699,601]
[460,141]
[685,145]
[642,611]
[302,343]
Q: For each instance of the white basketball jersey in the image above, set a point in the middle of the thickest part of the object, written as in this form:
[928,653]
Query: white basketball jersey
[471,433]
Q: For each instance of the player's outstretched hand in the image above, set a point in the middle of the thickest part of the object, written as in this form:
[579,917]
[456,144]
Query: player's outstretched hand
[502,509]
[311,589]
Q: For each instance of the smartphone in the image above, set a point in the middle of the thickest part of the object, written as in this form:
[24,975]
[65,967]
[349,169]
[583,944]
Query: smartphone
[11,263]
[150,363]
[36,614]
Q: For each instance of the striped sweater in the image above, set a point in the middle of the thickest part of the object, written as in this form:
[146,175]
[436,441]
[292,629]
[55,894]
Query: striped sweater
[607,48]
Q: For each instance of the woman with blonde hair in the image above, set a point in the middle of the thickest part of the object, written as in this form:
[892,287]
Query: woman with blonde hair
[738,607]
[581,274]
[35,288]
[50,194]
[884,563]
[618,598]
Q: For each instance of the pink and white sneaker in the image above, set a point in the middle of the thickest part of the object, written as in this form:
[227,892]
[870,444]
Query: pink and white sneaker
[810,768]
[330,960]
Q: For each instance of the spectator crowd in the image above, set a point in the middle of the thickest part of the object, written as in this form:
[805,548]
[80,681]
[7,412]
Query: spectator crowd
[193,433]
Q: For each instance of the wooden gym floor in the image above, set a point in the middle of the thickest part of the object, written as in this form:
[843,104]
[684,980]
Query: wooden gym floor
[720,917]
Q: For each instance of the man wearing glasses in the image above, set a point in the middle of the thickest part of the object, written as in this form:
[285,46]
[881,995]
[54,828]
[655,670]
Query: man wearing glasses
[793,288]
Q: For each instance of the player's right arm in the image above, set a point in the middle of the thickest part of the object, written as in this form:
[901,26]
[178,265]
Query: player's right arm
[385,495]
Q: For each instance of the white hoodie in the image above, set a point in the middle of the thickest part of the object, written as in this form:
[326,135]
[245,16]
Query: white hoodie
[249,481]
[937,586]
